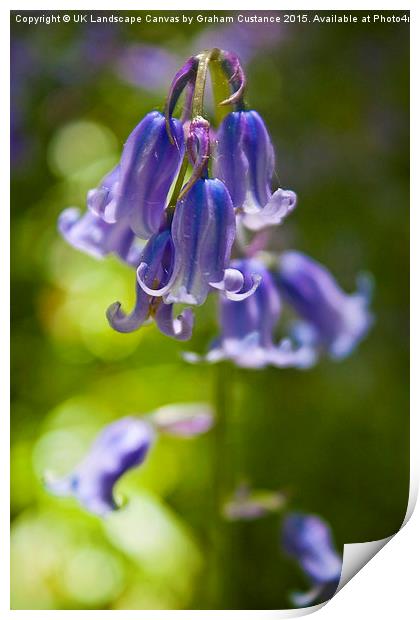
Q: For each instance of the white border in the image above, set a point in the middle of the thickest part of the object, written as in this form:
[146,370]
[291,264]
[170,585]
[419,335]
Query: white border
[386,586]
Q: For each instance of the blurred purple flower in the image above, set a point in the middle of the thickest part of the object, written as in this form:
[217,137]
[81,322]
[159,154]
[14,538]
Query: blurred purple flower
[90,234]
[332,318]
[184,419]
[122,445]
[247,505]
[149,66]
[307,539]
[149,164]
[244,161]
[247,327]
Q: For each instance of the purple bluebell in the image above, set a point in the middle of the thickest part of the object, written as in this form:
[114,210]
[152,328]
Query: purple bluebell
[244,161]
[248,505]
[149,163]
[308,540]
[149,66]
[331,318]
[158,255]
[90,234]
[247,327]
[121,446]
[184,419]
[203,232]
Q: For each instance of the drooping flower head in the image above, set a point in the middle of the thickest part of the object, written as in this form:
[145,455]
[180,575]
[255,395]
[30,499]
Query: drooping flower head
[244,161]
[119,447]
[247,326]
[203,232]
[332,319]
[308,540]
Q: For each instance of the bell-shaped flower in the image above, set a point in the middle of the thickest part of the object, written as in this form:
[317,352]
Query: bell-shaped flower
[119,447]
[308,540]
[203,232]
[149,163]
[247,327]
[91,235]
[247,504]
[331,318]
[158,255]
[244,161]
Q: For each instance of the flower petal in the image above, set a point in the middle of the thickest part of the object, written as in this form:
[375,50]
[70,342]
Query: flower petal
[126,323]
[180,327]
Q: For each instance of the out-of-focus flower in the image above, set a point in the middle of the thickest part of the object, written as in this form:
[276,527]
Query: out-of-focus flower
[244,161]
[203,231]
[247,327]
[184,419]
[247,504]
[307,539]
[90,234]
[332,319]
[149,164]
[119,447]
[149,66]
[158,256]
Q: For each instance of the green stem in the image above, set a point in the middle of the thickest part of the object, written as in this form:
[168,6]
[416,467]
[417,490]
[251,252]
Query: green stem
[221,90]
[221,486]
[179,182]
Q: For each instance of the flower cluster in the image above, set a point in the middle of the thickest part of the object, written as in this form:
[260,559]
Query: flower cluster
[178,207]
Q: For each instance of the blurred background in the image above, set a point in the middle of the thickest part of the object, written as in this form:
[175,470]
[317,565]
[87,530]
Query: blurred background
[335,98]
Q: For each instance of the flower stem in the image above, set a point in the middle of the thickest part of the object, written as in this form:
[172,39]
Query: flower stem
[221,90]
[221,485]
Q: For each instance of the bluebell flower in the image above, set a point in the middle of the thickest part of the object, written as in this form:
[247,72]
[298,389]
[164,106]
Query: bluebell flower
[331,318]
[158,255]
[248,505]
[118,448]
[90,234]
[184,419]
[203,231]
[149,163]
[123,445]
[244,161]
[308,540]
[247,327]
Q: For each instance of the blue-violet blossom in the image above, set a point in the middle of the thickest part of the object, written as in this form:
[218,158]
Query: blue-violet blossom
[158,255]
[122,445]
[203,232]
[244,161]
[331,318]
[247,327]
[307,539]
[149,163]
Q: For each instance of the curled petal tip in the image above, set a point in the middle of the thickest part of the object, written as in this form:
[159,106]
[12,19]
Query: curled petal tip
[142,274]
[233,282]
